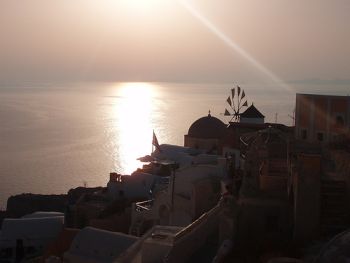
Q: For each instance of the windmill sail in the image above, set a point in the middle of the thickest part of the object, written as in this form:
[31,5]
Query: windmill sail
[235,101]
[229,101]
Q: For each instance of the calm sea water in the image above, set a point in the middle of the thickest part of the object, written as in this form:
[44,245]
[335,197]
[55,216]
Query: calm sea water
[56,137]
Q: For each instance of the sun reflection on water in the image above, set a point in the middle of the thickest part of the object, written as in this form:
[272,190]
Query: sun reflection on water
[133,123]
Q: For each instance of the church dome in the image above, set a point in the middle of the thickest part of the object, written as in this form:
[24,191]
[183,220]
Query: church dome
[207,127]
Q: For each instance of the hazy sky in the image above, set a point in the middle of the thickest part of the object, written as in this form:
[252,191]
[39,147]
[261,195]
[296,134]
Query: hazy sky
[161,40]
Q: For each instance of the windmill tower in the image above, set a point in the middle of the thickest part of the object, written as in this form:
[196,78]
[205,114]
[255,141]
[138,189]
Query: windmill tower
[236,100]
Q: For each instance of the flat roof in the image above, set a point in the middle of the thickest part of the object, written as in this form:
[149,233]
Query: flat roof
[322,95]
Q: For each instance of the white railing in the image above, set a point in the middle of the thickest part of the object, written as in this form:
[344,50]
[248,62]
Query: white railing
[143,206]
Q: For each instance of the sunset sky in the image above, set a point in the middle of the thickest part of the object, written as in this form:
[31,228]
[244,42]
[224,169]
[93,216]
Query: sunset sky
[169,40]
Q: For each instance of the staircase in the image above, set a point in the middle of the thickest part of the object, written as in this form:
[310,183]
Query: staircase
[334,214]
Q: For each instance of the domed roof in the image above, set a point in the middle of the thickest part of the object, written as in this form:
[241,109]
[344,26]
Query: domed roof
[207,127]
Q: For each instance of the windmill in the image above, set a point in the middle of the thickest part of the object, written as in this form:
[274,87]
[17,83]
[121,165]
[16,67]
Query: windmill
[235,101]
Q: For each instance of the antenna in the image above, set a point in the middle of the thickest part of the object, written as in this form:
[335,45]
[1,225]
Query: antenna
[235,101]
[292,117]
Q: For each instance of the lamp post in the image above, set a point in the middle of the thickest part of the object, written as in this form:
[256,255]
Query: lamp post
[174,166]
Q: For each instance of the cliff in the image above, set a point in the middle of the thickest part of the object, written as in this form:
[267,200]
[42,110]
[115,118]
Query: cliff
[75,193]
[20,205]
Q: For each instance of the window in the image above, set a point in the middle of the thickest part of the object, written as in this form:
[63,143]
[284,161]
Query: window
[271,223]
[320,136]
[339,121]
[6,253]
[304,134]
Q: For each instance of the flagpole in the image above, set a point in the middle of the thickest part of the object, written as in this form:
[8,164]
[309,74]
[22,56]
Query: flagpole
[152,142]
[155,143]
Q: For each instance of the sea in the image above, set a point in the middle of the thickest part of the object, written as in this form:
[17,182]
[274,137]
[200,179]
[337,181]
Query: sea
[54,137]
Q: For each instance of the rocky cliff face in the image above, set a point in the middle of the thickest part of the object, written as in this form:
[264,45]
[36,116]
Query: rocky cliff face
[20,205]
[3,215]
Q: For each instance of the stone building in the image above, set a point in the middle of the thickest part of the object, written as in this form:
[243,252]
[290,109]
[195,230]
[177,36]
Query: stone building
[322,118]
[264,216]
[206,134]
[252,115]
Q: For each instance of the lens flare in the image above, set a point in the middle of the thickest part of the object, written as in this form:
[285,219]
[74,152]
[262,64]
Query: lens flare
[232,44]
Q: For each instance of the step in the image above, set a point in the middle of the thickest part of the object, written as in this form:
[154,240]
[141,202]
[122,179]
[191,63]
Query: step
[331,210]
[333,185]
[333,192]
[334,203]
[330,181]
[333,221]
[334,227]
[334,212]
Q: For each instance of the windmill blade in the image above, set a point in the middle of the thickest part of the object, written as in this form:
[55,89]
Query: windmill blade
[235,101]
[245,104]
[243,94]
[229,101]
[233,104]
[239,100]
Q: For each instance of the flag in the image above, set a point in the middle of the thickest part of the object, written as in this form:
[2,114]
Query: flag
[233,92]
[155,142]
[238,90]
[227,113]
[243,94]
[245,103]
[229,100]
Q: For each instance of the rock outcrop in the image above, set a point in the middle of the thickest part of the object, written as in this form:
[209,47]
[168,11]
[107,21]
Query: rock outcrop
[20,205]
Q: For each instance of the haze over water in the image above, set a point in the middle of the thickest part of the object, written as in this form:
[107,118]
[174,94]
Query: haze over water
[57,137]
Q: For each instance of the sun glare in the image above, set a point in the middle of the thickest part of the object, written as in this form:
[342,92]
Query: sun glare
[133,120]
[141,5]
[232,44]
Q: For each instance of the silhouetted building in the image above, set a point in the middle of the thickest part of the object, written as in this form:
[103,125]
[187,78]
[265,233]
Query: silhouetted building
[252,115]
[206,133]
[322,118]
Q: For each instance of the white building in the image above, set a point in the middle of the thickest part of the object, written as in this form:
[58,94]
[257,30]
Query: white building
[30,234]
[173,243]
[192,191]
[181,155]
[252,115]
[40,214]
[92,245]
[136,186]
